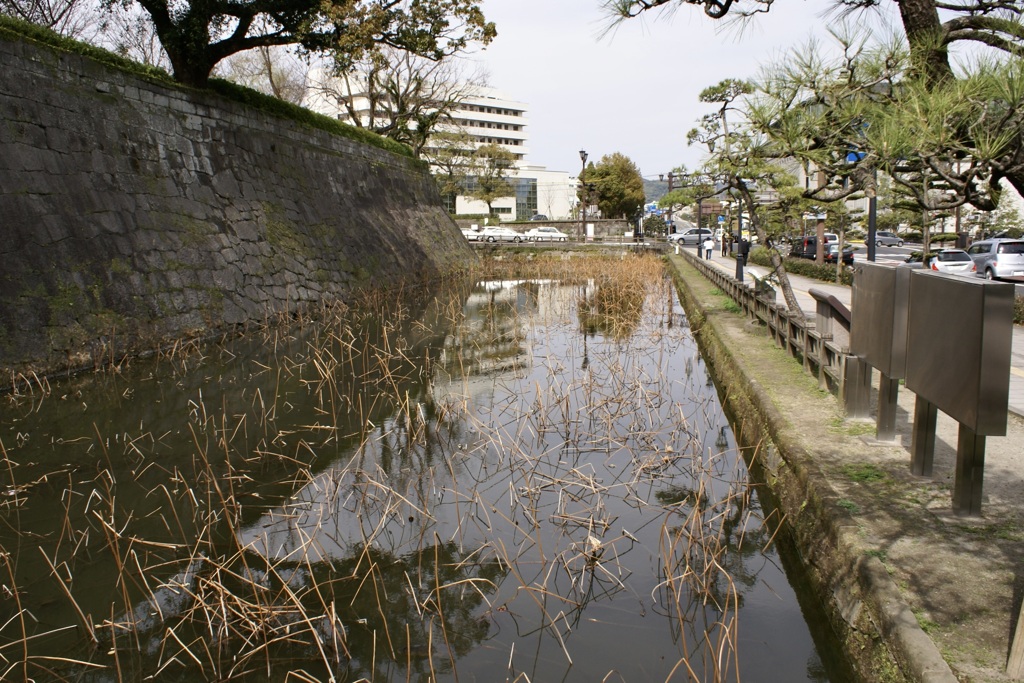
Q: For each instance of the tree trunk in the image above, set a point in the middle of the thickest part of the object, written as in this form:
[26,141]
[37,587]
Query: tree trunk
[925,33]
[776,258]
[185,41]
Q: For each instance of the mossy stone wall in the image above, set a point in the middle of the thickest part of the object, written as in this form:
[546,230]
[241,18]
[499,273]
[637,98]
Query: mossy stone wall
[132,213]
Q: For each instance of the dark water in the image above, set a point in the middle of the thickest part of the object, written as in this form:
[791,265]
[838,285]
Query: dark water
[520,480]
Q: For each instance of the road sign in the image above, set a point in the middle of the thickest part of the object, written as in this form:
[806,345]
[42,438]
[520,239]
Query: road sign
[721,219]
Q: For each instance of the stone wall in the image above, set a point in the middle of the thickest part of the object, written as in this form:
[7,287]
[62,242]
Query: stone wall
[134,213]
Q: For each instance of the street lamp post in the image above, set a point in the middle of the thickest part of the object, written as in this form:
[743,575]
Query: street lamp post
[583,196]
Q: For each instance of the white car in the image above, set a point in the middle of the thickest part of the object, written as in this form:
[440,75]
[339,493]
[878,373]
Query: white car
[955,261]
[546,234]
[471,235]
[498,233]
[691,236]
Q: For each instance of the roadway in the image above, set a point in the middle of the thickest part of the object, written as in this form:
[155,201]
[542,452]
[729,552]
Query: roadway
[843,293]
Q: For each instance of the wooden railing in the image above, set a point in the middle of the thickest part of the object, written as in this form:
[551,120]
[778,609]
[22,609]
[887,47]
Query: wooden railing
[819,344]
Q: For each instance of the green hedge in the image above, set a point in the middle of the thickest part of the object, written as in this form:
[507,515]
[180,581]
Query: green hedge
[805,267]
[15,28]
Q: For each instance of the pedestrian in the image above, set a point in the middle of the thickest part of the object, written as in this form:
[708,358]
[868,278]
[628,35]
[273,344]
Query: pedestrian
[709,244]
[725,244]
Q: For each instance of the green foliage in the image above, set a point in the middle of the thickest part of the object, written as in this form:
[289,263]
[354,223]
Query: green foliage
[1018,310]
[620,188]
[197,35]
[655,225]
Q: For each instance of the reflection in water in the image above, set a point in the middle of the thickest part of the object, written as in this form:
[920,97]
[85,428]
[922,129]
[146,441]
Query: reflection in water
[526,479]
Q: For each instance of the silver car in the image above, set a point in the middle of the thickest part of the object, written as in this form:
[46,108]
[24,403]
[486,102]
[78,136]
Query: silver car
[884,238]
[999,259]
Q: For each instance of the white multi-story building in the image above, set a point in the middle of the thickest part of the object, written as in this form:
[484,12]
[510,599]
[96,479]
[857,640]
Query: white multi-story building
[489,117]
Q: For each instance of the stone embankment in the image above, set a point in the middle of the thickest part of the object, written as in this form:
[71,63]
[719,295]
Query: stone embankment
[132,213]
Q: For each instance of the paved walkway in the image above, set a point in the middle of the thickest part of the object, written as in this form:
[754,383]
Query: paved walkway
[843,293]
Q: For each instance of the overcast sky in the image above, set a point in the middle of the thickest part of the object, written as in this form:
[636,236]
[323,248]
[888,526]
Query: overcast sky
[632,91]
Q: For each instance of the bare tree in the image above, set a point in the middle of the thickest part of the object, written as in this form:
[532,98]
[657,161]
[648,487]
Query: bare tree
[398,94]
[71,18]
[275,71]
[450,155]
[130,33]
[490,167]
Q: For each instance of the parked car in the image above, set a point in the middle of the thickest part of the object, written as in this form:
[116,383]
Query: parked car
[538,217]
[999,259]
[690,236]
[832,252]
[807,247]
[545,234]
[884,238]
[500,233]
[471,234]
[955,261]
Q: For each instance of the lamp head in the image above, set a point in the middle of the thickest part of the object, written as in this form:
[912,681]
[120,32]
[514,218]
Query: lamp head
[583,156]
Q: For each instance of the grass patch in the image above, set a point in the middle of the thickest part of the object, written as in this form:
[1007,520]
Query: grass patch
[1003,531]
[926,624]
[864,472]
[880,554]
[849,506]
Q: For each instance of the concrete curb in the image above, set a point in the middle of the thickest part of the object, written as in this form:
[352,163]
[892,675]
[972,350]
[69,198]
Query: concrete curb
[824,533]
[916,653]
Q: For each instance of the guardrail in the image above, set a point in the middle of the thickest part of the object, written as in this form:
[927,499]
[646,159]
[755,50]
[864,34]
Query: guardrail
[820,343]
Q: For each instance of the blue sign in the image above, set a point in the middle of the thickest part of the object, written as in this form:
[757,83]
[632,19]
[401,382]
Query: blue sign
[721,219]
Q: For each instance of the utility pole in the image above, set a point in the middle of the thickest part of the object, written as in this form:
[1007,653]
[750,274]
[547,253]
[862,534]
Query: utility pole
[583,196]
[672,226]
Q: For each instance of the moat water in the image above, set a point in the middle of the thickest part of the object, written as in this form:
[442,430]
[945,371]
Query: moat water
[519,479]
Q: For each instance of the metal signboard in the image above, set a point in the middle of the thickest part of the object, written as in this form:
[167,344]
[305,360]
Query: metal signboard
[959,337]
[880,302]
